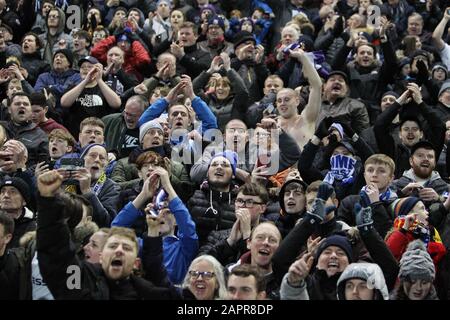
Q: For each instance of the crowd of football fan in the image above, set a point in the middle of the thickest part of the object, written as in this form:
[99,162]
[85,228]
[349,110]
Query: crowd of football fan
[224,149]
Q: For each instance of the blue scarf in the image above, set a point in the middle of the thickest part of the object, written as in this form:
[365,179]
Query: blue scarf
[386,196]
[342,169]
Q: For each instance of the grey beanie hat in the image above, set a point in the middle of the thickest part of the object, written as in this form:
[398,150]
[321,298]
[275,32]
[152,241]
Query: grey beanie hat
[445,86]
[416,263]
[369,272]
[153,124]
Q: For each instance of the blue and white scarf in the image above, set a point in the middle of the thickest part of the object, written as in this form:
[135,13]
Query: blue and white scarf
[386,196]
[342,169]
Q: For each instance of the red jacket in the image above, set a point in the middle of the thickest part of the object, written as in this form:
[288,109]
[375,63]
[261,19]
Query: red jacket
[51,124]
[135,59]
[397,242]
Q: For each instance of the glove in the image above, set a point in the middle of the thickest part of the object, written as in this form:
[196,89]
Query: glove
[322,128]
[365,201]
[338,27]
[317,213]
[347,130]
[363,218]
[422,70]
[325,191]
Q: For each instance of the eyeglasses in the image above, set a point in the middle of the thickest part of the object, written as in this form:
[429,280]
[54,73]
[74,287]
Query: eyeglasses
[249,203]
[205,274]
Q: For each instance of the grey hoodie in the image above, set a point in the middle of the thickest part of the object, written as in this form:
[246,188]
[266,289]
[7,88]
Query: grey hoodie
[50,43]
[369,272]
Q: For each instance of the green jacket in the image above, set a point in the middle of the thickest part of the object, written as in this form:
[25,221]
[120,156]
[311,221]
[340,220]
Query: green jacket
[115,129]
[126,175]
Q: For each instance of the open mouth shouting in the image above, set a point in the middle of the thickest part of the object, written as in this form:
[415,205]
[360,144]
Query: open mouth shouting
[291,204]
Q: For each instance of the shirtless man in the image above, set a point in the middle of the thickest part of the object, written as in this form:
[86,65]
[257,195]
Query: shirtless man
[300,126]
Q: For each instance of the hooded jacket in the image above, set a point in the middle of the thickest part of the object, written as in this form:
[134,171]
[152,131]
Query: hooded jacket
[369,272]
[25,223]
[211,210]
[286,221]
[435,182]
[135,60]
[34,139]
[50,42]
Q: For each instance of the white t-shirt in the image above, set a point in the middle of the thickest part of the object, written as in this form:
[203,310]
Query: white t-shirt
[40,289]
[445,55]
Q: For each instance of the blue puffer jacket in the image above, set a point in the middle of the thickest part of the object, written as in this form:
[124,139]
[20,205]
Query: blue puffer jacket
[178,251]
[59,82]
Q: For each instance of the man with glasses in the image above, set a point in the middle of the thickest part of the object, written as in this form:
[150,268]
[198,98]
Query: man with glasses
[54,38]
[122,130]
[229,244]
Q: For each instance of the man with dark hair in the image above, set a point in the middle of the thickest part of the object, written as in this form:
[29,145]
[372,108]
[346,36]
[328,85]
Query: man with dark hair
[292,198]
[114,279]
[21,128]
[191,59]
[31,57]
[81,43]
[39,108]
[245,282]
[229,244]
[368,79]
[421,180]
[336,102]
[411,128]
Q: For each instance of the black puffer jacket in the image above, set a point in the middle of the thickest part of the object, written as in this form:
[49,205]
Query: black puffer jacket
[211,210]
[56,253]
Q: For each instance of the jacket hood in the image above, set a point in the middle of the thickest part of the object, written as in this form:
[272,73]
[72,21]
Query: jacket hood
[141,16]
[283,190]
[62,21]
[410,175]
[369,272]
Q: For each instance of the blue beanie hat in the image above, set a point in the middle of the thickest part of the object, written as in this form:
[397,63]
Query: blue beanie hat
[230,156]
[338,241]
[89,146]
[402,206]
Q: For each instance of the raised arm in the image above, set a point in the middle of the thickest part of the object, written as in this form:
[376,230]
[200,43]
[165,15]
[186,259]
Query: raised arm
[56,252]
[312,109]
[69,98]
[440,29]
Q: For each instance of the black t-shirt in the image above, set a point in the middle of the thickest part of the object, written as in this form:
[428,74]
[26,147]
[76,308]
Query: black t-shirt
[130,141]
[90,103]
